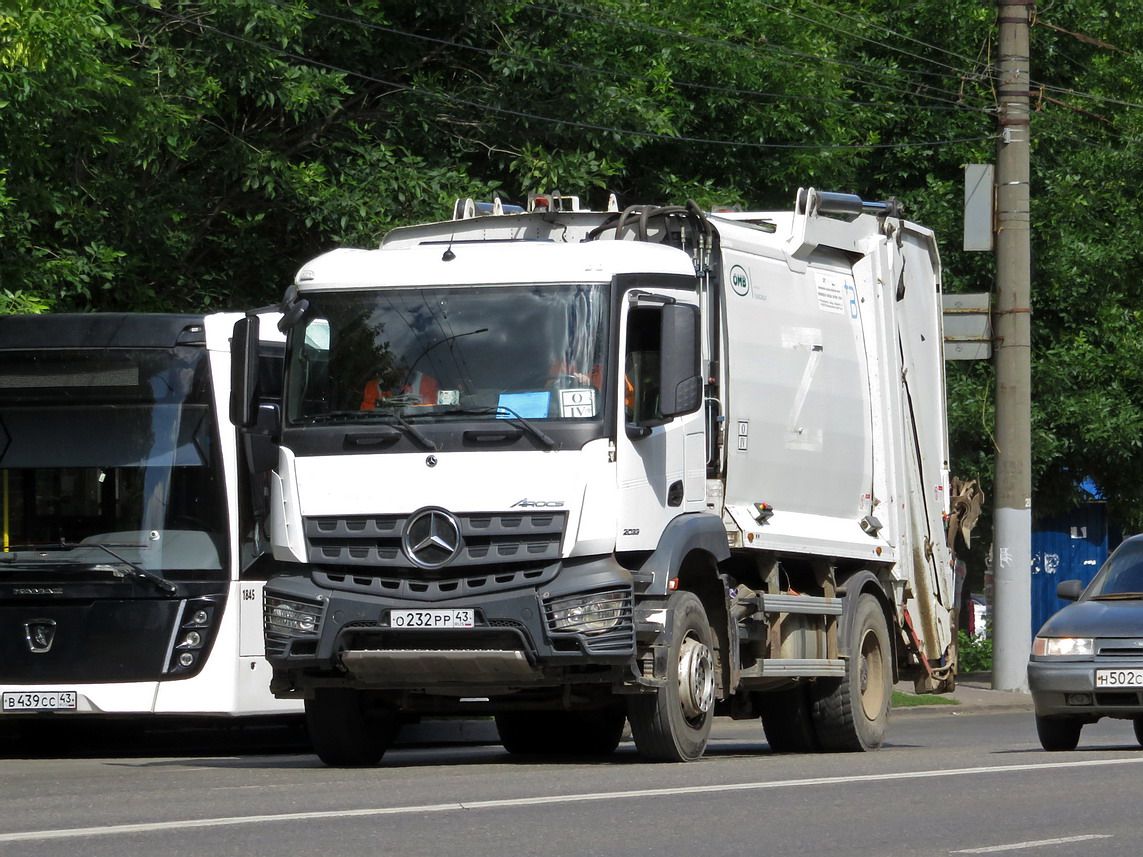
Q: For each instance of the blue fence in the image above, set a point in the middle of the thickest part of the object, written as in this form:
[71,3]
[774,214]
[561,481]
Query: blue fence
[1067,547]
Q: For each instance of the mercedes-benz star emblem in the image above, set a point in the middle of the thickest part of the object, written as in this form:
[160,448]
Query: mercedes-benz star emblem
[431,538]
[40,634]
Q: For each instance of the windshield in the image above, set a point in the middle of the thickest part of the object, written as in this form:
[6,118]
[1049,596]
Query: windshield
[532,352]
[114,448]
[1122,574]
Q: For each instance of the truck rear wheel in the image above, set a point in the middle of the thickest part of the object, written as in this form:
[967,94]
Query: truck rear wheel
[673,725]
[571,733]
[853,714]
[344,732]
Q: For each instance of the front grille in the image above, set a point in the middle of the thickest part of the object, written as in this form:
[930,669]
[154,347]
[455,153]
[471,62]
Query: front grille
[1117,699]
[1119,649]
[367,542]
[418,588]
[502,635]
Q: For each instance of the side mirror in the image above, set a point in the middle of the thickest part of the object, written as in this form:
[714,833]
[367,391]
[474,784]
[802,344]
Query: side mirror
[293,313]
[1069,590]
[261,447]
[244,372]
[679,368]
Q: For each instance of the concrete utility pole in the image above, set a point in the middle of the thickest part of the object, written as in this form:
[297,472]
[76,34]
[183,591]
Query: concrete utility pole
[1012,545]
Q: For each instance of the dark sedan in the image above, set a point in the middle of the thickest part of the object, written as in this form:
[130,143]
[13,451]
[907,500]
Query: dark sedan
[1087,660]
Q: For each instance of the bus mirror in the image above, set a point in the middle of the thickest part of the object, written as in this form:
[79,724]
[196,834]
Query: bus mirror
[681,378]
[244,372]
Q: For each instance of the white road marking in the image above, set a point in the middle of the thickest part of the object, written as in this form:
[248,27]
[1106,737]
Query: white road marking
[1015,846]
[509,803]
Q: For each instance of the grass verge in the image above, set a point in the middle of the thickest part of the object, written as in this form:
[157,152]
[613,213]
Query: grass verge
[908,700]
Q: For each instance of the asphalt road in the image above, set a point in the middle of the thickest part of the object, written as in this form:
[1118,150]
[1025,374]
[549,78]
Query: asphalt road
[947,783]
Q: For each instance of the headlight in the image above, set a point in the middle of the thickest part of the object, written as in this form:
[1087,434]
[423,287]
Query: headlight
[1060,646]
[192,636]
[587,614]
[291,616]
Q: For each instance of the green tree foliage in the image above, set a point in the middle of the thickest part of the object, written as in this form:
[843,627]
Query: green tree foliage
[191,154]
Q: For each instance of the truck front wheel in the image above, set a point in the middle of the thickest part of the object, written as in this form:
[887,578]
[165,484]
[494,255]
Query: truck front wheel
[673,724]
[853,714]
[345,731]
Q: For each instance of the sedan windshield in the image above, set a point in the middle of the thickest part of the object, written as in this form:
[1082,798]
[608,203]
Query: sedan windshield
[1121,576]
[526,352]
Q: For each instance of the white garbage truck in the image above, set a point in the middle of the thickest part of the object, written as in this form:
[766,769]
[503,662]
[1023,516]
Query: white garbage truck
[573,469]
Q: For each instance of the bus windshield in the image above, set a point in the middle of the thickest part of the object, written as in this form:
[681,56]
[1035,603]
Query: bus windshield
[508,352]
[111,448]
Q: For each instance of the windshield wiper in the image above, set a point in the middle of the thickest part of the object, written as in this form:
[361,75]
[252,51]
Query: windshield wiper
[376,416]
[535,430]
[1117,596]
[532,428]
[133,569]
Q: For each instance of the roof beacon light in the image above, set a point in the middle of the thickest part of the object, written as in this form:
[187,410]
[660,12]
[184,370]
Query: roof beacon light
[466,209]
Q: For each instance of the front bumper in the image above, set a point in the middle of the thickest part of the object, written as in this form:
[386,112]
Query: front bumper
[1063,687]
[516,642]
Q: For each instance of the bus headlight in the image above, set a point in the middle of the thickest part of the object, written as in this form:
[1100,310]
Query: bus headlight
[192,636]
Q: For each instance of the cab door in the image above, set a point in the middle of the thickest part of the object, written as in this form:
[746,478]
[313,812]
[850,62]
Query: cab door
[661,441]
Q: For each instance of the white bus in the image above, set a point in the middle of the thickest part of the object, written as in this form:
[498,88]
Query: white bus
[132,563]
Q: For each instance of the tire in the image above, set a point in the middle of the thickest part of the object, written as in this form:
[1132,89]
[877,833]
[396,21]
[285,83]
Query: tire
[787,719]
[673,724]
[852,714]
[566,733]
[1062,733]
[1138,724]
[343,732]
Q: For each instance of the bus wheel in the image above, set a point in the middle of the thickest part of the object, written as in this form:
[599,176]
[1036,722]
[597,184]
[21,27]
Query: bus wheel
[344,731]
[673,724]
[852,714]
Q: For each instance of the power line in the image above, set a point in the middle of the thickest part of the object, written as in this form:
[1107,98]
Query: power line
[499,54]
[855,19]
[795,58]
[440,96]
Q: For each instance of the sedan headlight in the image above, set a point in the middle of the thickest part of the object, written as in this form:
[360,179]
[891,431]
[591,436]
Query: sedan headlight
[1061,646]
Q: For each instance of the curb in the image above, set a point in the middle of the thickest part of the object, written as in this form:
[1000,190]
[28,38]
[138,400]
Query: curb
[962,709]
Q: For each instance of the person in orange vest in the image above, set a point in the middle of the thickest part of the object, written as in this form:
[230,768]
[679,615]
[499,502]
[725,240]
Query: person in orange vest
[419,384]
[563,369]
